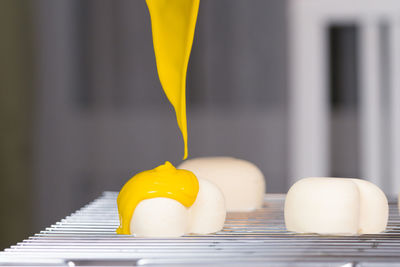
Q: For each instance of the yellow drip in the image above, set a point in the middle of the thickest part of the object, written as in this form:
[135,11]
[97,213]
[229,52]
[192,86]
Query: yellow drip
[163,181]
[173,23]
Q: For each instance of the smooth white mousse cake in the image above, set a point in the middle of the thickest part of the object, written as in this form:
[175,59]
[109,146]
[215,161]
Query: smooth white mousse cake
[335,206]
[241,182]
[207,214]
[165,217]
[159,217]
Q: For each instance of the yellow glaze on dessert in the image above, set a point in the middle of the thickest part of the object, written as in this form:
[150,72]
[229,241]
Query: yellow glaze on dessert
[163,181]
[173,23]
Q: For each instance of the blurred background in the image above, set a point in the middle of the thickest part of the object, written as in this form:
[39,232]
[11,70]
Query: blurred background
[300,88]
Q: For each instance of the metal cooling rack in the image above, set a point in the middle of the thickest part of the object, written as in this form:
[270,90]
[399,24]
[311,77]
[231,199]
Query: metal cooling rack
[87,238]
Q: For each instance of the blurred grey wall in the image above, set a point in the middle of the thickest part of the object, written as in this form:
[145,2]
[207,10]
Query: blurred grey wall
[101,115]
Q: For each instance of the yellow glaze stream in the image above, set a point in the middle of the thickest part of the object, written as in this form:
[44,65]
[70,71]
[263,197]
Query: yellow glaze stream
[173,23]
[163,181]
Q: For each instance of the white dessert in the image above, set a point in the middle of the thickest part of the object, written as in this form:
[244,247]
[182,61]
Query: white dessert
[165,217]
[241,182]
[207,214]
[159,217]
[335,206]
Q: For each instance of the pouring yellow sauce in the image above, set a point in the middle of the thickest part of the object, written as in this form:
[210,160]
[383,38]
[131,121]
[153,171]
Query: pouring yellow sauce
[163,181]
[173,23]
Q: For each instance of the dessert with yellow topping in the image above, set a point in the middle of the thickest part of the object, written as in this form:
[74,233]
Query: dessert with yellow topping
[167,202]
[162,182]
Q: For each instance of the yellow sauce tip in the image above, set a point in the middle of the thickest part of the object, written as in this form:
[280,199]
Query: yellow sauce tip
[185,155]
[162,181]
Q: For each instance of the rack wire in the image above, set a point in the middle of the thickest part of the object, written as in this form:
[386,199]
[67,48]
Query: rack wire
[87,238]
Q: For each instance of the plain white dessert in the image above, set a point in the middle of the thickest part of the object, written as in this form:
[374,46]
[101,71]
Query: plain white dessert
[241,182]
[207,214]
[335,206]
[322,205]
[165,217]
[374,210]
